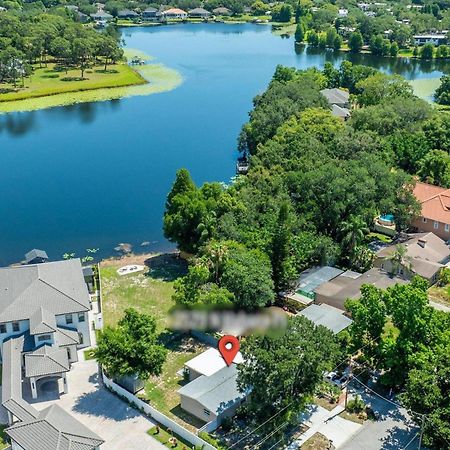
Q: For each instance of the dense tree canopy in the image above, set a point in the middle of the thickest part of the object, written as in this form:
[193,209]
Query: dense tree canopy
[315,183]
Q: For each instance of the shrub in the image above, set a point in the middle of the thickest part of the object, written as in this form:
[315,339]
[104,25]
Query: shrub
[356,405]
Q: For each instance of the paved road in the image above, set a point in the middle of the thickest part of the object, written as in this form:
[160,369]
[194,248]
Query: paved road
[392,431]
[122,427]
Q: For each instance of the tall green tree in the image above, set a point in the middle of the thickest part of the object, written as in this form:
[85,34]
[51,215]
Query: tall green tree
[442,94]
[353,232]
[355,42]
[282,268]
[131,347]
[248,275]
[434,168]
[369,315]
[284,369]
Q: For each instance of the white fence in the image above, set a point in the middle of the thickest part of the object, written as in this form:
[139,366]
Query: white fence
[159,417]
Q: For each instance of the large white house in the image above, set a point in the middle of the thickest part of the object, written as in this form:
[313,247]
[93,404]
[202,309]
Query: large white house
[44,320]
[45,301]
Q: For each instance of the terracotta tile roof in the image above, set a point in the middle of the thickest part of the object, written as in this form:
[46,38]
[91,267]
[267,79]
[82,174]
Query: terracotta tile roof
[435,202]
[175,11]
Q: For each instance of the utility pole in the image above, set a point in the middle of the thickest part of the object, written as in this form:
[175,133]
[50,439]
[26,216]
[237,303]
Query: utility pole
[422,426]
[348,381]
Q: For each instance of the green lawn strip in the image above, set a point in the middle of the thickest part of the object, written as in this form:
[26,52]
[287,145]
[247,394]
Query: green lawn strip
[378,236]
[316,442]
[47,81]
[163,436]
[162,391]
[3,442]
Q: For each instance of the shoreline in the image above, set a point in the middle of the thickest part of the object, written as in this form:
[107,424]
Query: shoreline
[156,78]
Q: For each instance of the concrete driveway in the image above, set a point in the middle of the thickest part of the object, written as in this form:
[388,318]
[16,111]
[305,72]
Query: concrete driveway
[393,430]
[122,427]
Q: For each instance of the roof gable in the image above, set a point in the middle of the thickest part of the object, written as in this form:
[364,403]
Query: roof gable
[57,287]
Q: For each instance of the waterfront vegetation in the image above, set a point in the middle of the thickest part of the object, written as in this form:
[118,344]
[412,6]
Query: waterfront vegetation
[314,187]
[48,60]
[52,80]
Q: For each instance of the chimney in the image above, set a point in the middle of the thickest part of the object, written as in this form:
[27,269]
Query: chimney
[422,242]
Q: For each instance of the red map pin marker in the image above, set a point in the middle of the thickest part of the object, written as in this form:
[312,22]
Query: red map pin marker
[228,348]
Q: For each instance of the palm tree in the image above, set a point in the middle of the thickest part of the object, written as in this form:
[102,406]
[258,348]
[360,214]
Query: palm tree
[216,254]
[400,259]
[353,232]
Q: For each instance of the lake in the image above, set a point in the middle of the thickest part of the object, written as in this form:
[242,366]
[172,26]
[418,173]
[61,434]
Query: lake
[97,174]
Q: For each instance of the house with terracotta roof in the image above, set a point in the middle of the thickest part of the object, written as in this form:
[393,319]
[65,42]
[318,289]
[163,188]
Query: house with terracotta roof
[175,13]
[435,212]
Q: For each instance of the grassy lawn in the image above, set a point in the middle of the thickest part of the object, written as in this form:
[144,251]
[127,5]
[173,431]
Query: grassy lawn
[324,403]
[162,391]
[149,292]
[47,81]
[440,294]
[354,417]
[316,442]
[163,436]
[3,442]
[378,237]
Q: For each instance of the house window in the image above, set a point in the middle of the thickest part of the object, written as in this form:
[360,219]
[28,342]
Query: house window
[81,317]
[2,328]
[435,225]
[44,337]
[206,412]
[447,227]
[16,326]
[424,219]
[69,319]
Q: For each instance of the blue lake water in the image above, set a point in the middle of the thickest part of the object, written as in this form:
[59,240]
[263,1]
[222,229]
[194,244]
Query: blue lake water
[97,174]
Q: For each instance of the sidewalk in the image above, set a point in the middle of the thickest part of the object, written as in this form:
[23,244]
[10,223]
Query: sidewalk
[328,423]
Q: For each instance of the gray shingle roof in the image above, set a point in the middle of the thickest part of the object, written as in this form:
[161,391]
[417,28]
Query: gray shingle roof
[12,380]
[54,429]
[64,337]
[50,429]
[335,96]
[46,360]
[42,321]
[326,315]
[216,392]
[199,11]
[35,253]
[58,287]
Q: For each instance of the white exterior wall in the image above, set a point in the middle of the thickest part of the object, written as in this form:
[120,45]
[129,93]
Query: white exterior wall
[158,416]
[24,325]
[50,341]
[196,409]
[81,327]
[16,446]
